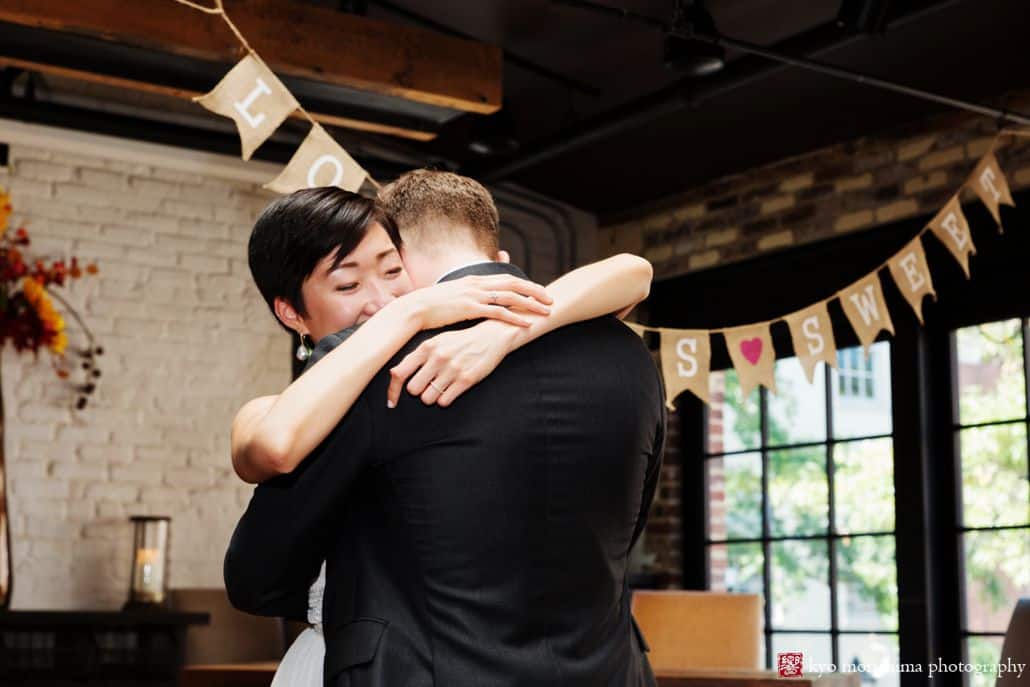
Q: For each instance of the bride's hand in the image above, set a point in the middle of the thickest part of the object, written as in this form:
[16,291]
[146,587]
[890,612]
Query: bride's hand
[448,364]
[470,298]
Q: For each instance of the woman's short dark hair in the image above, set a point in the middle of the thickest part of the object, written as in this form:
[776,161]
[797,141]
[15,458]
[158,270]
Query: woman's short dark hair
[296,232]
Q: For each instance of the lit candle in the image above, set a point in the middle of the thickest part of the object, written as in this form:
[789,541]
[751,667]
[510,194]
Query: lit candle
[149,575]
[146,559]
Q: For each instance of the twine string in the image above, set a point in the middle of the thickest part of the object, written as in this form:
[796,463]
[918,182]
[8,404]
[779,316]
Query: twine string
[219,9]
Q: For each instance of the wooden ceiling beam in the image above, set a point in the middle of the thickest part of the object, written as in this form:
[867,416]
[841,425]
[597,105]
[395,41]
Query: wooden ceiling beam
[187,94]
[294,39]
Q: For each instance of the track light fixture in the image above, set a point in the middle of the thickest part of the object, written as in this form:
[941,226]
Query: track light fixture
[692,24]
[684,53]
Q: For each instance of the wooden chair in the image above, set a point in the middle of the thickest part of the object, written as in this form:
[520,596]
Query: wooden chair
[687,629]
[1016,646]
[232,636]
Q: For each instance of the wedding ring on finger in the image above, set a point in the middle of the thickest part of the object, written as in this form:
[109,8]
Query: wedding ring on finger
[438,389]
[493,298]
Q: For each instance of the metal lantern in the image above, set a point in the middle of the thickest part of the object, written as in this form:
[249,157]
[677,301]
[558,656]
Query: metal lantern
[148,586]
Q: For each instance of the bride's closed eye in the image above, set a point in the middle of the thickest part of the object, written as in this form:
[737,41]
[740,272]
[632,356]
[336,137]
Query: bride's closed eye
[347,287]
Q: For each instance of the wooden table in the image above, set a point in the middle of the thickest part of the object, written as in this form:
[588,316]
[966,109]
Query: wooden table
[228,675]
[751,678]
[260,675]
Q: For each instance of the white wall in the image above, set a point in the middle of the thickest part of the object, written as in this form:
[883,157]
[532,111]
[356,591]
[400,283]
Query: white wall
[187,339]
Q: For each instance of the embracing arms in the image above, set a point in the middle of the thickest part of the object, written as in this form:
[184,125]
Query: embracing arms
[284,535]
[272,434]
[457,360]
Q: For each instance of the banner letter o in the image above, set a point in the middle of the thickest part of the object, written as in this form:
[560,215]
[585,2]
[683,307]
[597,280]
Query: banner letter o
[326,160]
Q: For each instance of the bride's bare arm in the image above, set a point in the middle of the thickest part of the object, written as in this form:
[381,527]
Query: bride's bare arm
[271,435]
[455,361]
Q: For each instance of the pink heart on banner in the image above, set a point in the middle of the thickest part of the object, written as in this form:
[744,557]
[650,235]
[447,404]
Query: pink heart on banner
[752,350]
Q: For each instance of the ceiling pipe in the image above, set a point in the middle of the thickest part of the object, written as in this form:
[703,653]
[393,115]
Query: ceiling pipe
[691,92]
[864,79]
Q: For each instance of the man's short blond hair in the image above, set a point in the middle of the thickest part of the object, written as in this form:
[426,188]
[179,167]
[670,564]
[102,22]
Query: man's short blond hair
[433,207]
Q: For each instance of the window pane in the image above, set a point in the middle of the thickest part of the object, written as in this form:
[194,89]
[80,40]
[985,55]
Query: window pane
[997,575]
[873,657]
[798,493]
[800,585]
[797,411]
[867,584]
[862,392]
[984,651]
[733,425]
[735,496]
[995,489]
[863,478]
[990,372]
[736,568]
[816,648]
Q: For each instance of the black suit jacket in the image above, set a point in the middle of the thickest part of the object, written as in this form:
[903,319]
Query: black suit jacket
[481,544]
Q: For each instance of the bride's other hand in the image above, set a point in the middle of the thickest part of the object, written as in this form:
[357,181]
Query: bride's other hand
[496,297]
[447,365]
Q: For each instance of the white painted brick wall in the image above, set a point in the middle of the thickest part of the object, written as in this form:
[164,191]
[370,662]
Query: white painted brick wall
[187,339]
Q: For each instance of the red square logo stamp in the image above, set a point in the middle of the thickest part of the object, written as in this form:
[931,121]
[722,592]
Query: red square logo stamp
[789,663]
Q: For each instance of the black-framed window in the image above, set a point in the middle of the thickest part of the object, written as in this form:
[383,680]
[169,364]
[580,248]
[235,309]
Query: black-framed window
[855,374]
[801,507]
[934,538]
[991,433]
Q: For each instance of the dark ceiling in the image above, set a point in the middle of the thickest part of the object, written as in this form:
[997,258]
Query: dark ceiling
[593,117]
[740,118]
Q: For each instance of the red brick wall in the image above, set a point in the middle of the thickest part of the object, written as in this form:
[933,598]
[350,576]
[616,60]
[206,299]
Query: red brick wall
[840,189]
[664,526]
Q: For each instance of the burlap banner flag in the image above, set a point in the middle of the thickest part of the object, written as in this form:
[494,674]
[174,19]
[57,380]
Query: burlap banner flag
[637,328]
[751,350]
[864,305]
[686,363]
[812,334]
[912,275]
[252,96]
[320,161]
[951,227]
[990,184]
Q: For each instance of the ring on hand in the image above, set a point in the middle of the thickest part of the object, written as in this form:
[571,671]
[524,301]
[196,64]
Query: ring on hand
[493,298]
[438,389]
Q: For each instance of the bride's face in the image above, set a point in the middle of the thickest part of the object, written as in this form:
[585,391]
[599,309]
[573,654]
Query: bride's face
[365,280]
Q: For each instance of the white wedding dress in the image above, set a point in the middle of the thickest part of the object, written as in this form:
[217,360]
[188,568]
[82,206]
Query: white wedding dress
[302,664]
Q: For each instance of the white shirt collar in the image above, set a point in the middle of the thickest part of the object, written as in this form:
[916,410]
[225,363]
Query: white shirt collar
[461,267]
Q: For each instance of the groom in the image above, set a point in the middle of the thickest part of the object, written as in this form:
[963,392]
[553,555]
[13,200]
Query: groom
[481,544]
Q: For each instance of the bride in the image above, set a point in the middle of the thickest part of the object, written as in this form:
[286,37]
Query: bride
[326,260]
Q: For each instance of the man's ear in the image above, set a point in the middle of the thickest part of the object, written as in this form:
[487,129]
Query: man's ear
[503,256]
[288,316]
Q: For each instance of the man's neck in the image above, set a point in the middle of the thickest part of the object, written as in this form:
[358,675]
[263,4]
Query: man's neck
[432,269]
